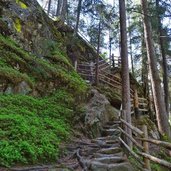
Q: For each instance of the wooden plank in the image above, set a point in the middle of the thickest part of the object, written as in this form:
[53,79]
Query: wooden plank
[132,139]
[84,64]
[156,160]
[143,104]
[114,81]
[138,131]
[131,152]
[101,69]
[157,142]
[111,78]
[142,99]
[143,110]
[112,85]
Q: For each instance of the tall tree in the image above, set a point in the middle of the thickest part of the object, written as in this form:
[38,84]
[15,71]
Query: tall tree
[64,10]
[98,51]
[49,6]
[78,15]
[164,61]
[161,114]
[126,103]
[59,6]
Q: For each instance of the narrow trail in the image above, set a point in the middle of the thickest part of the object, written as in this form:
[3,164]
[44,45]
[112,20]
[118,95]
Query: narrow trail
[101,154]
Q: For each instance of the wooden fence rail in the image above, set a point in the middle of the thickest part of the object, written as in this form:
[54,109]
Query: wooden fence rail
[143,150]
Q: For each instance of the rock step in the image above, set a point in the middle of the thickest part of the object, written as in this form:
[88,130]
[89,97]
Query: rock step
[110,132]
[109,160]
[111,150]
[107,138]
[110,126]
[99,155]
[113,122]
[98,166]
[110,145]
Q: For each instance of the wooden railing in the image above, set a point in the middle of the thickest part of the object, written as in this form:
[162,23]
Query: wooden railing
[141,141]
[116,61]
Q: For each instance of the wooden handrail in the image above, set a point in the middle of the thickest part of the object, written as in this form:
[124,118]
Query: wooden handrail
[157,142]
[145,151]
[156,160]
[131,152]
[132,139]
[138,131]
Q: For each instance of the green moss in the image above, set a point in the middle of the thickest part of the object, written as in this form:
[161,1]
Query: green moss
[17,25]
[54,67]
[22,5]
[31,132]
[15,76]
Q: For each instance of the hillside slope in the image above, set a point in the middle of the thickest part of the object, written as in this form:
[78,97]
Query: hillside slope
[38,84]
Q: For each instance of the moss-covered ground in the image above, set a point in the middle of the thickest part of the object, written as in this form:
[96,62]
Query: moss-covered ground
[31,128]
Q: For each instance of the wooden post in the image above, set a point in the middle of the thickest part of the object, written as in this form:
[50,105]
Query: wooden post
[113,61]
[146,148]
[75,64]
[136,104]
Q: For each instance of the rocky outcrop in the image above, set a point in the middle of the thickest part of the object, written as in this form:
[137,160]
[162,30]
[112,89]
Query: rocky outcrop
[29,25]
[98,111]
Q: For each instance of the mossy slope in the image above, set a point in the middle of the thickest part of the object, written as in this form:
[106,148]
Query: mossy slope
[31,128]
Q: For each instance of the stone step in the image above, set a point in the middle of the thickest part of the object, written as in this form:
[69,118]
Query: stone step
[109,160]
[112,142]
[113,122]
[110,132]
[110,145]
[111,126]
[98,166]
[114,138]
[111,150]
[98,155]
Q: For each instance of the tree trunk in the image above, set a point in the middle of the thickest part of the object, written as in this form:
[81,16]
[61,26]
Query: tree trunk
[126,104]
[49,6]
[98,51]
[161,114]
[64,10]
[59,6]
[78,15]
[162,49]
[130,47]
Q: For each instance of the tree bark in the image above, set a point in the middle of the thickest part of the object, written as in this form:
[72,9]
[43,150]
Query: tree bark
[164,62]
[161,114]
[126,103]
[64,10]
[49,6]
[98,51]
[78,15]
[59,6]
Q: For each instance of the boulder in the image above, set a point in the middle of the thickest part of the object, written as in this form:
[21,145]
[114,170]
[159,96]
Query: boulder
[98,112]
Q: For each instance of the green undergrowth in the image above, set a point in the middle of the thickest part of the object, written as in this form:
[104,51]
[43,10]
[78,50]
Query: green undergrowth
[18,65]
[31,129]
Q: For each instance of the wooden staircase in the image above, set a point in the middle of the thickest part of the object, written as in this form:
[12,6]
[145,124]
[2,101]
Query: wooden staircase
[87,71]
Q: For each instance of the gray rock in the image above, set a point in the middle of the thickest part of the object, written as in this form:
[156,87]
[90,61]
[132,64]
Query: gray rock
[98,112]
[97,166]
